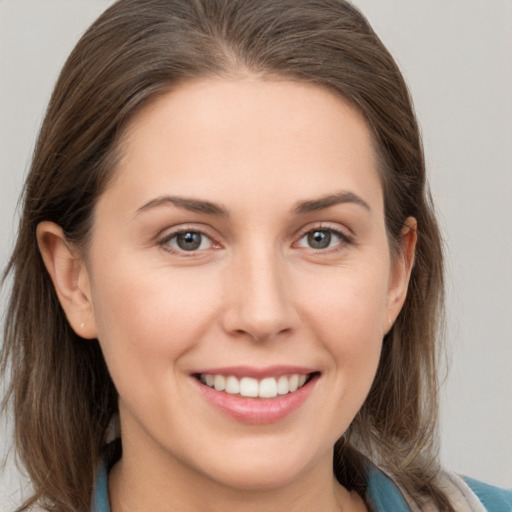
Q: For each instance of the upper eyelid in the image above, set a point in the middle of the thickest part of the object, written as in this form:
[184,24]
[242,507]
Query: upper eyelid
[323,226]
[169,232]
[173,234]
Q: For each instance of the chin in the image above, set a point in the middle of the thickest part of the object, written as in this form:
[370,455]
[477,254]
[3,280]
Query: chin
[261,477]
[264,470]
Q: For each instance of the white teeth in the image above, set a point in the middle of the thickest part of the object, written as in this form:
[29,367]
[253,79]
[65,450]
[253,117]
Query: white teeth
[249,387]
[219,382]
[293,382]
[282,385]
[232,386]
[268,387]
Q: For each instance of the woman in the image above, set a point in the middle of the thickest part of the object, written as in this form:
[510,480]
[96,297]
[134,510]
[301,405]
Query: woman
[228,225]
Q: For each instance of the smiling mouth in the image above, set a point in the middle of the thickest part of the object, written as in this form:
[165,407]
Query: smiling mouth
[249,387]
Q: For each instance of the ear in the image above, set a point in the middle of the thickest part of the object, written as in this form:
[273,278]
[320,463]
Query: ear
[69,276]
[401,272]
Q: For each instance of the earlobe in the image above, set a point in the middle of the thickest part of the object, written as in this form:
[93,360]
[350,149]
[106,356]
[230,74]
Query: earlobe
[401,272]
[69,276]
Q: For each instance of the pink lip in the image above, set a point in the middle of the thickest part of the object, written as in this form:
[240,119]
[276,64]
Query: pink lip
[257,373]
[257,410]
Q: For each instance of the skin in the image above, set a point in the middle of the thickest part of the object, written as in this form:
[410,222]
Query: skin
[254,293]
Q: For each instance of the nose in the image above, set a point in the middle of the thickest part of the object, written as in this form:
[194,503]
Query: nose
[259,301]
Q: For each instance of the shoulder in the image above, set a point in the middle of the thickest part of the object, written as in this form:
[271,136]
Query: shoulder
[465,494]
[468,494]
[494,499]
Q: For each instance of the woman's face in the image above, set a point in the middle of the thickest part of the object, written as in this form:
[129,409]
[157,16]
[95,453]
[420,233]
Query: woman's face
[242,243]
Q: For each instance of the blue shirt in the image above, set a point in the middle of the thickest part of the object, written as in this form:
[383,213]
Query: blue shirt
[382,493]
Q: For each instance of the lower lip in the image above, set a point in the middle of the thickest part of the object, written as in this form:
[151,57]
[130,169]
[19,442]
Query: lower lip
[258,410]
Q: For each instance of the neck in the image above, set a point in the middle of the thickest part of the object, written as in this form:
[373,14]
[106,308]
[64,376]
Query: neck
[137,484]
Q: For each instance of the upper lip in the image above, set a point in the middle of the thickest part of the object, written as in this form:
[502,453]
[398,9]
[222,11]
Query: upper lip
[256,372]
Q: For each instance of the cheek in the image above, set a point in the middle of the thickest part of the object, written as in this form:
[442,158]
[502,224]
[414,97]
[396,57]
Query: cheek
[351,304]
[147,319]
[348,315]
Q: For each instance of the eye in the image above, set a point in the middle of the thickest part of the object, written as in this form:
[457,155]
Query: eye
[188,241]
[320,239]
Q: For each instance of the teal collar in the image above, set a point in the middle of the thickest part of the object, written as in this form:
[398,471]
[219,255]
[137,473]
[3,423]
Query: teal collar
[101,501]
[382,493]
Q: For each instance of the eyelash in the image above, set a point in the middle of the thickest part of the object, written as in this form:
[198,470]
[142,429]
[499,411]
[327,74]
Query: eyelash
[164,242]
[343,238]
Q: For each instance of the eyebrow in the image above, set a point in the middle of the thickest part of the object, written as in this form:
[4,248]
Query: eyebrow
[330,200]
[209,208]
[193,205]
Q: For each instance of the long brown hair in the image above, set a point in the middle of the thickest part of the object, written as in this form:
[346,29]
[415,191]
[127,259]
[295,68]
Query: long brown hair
[60,389]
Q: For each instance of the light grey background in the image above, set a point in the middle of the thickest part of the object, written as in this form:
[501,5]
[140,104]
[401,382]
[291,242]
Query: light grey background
[457,58]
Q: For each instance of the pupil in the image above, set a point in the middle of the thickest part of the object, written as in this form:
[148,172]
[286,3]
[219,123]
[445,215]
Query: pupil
[189,241]
[319,239]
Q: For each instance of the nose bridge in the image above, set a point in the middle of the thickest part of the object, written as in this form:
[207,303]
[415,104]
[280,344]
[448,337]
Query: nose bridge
[259,302]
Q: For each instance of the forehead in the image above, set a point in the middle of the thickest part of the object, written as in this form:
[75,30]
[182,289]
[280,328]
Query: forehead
[267,136]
